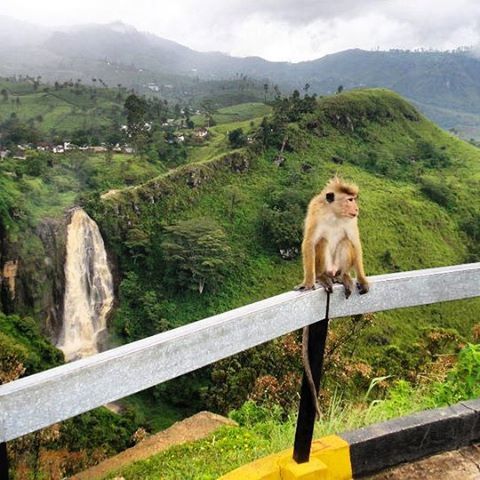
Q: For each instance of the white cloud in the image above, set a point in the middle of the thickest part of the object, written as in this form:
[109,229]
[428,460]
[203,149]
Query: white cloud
[290,30]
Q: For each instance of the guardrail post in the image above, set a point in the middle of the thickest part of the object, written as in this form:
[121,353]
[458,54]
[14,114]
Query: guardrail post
[3,461]
[307,411]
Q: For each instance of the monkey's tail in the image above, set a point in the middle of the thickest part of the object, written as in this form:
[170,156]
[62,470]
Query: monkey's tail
[308,370]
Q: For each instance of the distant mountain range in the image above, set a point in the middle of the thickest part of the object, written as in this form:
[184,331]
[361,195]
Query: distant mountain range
[445,85]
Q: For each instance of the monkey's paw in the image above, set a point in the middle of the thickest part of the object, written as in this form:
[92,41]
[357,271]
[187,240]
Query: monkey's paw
[363,288]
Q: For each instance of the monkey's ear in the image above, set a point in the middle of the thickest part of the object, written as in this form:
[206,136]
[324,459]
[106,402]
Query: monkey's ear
[330,197]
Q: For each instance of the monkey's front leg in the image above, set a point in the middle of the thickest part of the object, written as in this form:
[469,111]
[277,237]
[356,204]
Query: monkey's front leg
[347,284]
[362,282]
[363,287]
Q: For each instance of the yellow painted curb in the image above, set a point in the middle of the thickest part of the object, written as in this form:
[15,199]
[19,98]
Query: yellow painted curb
[329,460]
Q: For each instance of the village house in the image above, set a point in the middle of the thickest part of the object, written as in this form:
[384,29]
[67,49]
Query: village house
[200,133]
[98,149]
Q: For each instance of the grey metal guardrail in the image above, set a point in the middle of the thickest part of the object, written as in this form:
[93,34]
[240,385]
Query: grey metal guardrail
[39,400]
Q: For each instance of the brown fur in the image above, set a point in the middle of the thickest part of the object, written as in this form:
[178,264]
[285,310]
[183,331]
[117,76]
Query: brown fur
[331,245]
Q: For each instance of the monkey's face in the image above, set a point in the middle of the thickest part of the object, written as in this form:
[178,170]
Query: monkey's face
[348,206]
[342,204]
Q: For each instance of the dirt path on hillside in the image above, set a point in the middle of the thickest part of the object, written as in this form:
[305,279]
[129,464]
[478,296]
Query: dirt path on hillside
[193,428]
[463,464]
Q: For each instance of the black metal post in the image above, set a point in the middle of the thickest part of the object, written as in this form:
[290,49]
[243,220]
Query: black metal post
[306,413]
[3,462]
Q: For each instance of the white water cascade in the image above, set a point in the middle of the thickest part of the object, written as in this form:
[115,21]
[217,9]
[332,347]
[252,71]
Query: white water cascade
[88,289]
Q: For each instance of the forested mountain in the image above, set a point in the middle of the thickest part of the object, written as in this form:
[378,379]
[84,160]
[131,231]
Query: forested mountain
[445,85]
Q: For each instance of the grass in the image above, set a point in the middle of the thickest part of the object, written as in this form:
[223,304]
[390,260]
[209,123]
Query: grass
[261,431]
[60,111]
[236,113]
[154,414]
[217,143]
[241,113]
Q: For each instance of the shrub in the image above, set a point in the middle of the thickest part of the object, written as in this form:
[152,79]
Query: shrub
[250,414]
[142,311]
[431,156]
[237,138]
[438,192]
[281,221]
[195,253]
[463,382]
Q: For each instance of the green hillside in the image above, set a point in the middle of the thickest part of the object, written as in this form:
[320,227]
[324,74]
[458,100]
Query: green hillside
[419,209]
[417,199]
[243,202]
[34,112]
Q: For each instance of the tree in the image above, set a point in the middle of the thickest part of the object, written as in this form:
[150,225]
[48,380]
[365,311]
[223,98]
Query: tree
[209,109]
[237,138]
[136,108]
[278,94]
[195,253]
[235,197]
[281,220]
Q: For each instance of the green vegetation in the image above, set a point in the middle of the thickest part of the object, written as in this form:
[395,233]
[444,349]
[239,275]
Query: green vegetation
[401,226]
[263,431]
[236,113]
[45,184]
[48,112]
[31,111]
[23,349]
[196,253]
[63,449]
[78,442]
[226,211]
[370,136]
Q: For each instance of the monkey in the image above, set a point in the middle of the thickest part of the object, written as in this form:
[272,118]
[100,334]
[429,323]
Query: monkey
[331,248]
[331,245]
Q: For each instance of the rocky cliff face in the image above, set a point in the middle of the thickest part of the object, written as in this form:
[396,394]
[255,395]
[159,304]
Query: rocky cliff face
[31,273]
[52,233]
[6,275]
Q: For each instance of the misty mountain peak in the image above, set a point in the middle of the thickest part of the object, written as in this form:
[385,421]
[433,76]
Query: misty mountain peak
[120,27]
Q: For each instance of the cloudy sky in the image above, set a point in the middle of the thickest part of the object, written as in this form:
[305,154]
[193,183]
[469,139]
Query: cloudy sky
[290,30]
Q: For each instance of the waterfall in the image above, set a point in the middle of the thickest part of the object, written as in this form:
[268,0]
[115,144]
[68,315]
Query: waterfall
[88,288]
